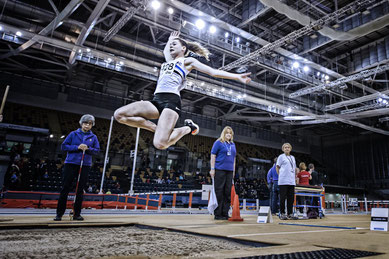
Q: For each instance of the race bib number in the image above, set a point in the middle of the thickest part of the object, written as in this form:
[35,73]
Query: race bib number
[167,68]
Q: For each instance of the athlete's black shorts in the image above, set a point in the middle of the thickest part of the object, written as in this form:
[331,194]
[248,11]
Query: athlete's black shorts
[167,100]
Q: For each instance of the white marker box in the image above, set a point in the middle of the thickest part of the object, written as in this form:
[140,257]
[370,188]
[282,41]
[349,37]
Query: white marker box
[379,219]
[264,215]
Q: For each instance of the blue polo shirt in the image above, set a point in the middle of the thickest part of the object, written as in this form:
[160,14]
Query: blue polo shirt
[224,161]
[273,173]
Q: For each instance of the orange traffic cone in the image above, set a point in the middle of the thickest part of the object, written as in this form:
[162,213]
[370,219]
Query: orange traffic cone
[232,195]
[236,210]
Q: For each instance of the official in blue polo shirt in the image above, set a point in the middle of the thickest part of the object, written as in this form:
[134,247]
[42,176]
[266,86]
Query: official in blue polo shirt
[275,191]
[75,144]
[223,155]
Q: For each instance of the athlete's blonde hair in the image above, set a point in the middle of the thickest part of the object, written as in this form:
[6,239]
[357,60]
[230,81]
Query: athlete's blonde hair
[224,132]
[195,48]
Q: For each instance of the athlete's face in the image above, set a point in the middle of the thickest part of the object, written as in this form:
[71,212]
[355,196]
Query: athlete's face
[176,48]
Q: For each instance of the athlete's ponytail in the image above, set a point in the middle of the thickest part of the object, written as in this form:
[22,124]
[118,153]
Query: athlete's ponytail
[196,48]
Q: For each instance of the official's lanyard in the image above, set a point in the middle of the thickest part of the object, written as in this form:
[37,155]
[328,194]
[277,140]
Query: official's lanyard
[228,149]
[290,161]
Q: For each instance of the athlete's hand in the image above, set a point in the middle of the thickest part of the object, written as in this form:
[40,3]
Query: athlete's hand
[173,35]
[244,78]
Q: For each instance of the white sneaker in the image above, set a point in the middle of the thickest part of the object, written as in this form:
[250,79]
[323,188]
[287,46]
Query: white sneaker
[195,129]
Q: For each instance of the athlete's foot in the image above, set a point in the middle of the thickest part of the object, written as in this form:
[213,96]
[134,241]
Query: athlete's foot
[193,126]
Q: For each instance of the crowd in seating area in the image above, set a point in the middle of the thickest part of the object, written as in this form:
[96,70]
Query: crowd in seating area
[251,188]
[28,174]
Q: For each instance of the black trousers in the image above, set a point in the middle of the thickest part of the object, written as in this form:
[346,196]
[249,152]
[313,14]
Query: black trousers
[223,184]
[286,193]
[70,173]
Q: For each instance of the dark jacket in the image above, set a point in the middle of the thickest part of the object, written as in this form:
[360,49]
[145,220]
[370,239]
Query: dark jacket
[76,138]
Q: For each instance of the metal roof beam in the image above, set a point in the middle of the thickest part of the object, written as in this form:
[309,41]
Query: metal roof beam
[66,12]
[88,27]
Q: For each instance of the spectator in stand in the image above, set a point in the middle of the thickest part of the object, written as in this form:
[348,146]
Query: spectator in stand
[303,176]
[275,192]
[46,175]
[90,189]
[314,180]
[286,169]
[77,142]
[223,159]
[14,180]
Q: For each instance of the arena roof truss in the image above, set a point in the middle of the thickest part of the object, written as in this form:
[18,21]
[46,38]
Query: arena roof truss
[313,63]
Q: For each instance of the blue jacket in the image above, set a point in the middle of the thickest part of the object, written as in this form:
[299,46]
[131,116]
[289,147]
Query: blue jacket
[76,138]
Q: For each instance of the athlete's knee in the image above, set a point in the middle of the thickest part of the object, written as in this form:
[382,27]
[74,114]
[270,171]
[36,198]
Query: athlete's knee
[119,115]
[160,144]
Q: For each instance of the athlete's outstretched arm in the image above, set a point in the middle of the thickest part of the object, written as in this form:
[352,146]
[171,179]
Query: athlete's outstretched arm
[192,63]
[166,50]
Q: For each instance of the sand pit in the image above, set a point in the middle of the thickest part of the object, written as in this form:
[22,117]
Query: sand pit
[102,242]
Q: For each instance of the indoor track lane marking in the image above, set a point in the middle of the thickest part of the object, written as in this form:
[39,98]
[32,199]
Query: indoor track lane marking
[215,224]
[286,233]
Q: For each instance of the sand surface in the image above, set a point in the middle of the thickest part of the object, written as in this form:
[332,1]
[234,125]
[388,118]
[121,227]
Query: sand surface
[103,242]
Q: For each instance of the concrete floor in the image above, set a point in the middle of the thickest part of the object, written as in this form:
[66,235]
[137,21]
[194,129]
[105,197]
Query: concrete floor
[286,238]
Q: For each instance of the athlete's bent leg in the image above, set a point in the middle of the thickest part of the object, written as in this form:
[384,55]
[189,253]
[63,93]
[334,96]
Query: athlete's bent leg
[137,115]
[166,135]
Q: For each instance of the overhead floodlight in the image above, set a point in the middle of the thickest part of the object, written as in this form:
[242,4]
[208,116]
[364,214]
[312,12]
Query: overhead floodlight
[244,95]
[223,89]
[306,68]
[318,73]
[109,60]
[380,100]
[155,4]
[200,24]
[183,23]
[212,29]
[202,84]
[51,136]
[296,64]
[289,110]
[63,136]
[230,92]
[88,50]
[385,102]
[79,51]
[18,33]
[170,10]
[326,77]
[1,28]
[226,34]
[121,63]
[155,69]
[237,39]
[239,96]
